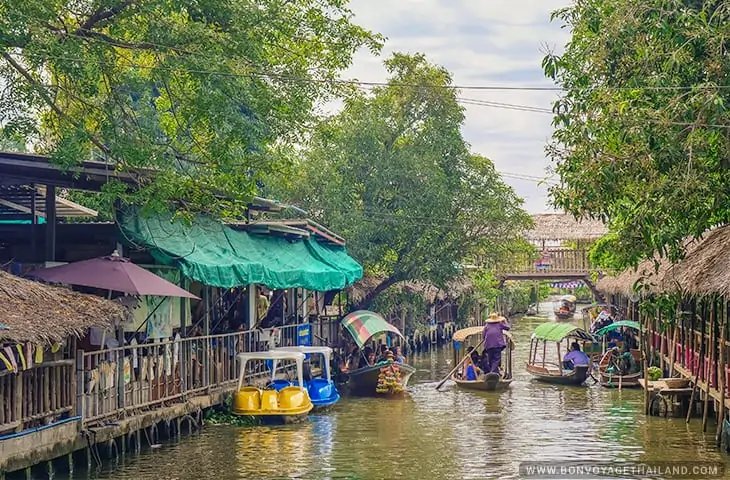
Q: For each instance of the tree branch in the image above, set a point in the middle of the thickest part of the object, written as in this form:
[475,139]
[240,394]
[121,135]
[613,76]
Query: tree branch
[101,15]
[49,101]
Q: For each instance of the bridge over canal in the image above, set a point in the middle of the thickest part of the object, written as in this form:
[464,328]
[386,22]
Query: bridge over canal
[562,244]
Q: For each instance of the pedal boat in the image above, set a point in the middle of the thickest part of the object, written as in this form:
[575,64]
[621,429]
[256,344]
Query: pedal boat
[322,391]
[290,404]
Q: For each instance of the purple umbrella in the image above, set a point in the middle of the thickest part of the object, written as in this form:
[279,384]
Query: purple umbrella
[112,273]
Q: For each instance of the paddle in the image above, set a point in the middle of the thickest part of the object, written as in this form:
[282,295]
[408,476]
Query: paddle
[458,365]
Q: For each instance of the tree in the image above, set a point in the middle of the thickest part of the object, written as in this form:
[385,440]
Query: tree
[199,95]
[393,174]
[641,138]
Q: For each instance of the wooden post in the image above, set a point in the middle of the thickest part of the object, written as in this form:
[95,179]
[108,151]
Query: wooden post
[79,379]
[708,365]
[644,339]
[206,335]
[697,369]
[18,401]
[673,352]
[544,352]
[721,380]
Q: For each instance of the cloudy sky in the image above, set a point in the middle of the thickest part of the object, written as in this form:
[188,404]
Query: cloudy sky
[482,42]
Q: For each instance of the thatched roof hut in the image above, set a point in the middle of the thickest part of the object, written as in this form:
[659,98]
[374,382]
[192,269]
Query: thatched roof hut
[430,292]
[623,284]
[38,313]
[562,226]
[705,269]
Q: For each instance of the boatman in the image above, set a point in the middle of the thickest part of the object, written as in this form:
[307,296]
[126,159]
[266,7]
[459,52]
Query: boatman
[494,340]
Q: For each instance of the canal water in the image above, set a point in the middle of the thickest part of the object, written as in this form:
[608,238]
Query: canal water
[430,435]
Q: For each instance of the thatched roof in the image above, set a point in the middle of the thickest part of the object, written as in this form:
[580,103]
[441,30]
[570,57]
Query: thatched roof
[430,293]
[38,313]
[705,269]
[623,284]
[562,226]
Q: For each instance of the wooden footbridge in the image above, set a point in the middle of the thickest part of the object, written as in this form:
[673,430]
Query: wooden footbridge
[561,251]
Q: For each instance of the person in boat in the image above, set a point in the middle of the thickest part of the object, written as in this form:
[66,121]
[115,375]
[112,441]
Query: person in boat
[494,340]
[627,363]
[383,355]
[471,372]
[399,358]
[575,357]
[367,358]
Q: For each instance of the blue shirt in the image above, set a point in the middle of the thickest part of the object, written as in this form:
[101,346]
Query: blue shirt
[471,373]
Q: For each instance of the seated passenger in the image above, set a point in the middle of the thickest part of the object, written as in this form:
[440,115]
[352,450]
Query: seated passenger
[399,358]
[472,371]
[575,357]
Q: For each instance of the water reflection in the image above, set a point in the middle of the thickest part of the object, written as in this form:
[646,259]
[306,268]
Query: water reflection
[274,452]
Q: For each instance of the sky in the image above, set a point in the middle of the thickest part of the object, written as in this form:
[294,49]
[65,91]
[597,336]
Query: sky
[481,42]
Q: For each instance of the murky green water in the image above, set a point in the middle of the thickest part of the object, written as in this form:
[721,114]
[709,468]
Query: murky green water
[447,434]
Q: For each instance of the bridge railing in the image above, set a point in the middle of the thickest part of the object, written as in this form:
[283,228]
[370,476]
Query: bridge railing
[549,262]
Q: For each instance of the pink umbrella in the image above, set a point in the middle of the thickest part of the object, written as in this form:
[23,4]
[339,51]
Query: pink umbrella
[112,273]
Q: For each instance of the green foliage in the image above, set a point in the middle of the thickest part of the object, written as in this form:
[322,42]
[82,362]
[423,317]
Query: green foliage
[200,95]
[223,416]
[641,130]
[393,174]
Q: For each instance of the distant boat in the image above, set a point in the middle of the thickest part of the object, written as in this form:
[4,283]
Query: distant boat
[566,308]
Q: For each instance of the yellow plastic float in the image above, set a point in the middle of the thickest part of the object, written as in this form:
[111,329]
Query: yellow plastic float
[289,404]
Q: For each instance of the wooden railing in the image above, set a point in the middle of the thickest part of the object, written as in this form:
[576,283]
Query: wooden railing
[31,396]
[551,261]
[102,385]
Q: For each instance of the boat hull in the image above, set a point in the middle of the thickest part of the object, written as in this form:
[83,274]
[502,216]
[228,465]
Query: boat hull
[573,377]
[564,316]
[490,383]
[364,381]
[288,405]
[613,381]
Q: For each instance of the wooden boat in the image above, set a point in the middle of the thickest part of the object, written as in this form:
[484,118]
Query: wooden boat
[322,391]
[554,372]
[290,404]
[609,368]
[491,381]
[566,309]
[386,378]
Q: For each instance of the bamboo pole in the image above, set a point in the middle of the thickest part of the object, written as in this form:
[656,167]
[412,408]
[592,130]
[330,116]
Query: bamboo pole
[673,353]
[644,338]
[697,371]
[721,379]
[708,365]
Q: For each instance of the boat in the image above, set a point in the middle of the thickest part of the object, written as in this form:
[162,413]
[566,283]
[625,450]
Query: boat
[566,308]
[289,404]
[386,378]
[609,367]
[491,381]
[322,391]
[554,372]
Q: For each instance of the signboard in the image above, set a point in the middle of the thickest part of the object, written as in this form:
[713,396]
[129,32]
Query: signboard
[304,335]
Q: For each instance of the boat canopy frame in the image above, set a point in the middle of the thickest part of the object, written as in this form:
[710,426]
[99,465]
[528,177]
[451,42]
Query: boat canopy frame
[326,353]
[274,356]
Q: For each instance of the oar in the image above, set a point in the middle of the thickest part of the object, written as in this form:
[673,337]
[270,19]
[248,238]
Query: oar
[457,366]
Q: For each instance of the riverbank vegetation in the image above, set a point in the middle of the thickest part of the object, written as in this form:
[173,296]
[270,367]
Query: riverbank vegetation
[645,82]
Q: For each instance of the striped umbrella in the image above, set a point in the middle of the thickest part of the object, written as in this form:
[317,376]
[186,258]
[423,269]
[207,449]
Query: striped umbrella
[363,324]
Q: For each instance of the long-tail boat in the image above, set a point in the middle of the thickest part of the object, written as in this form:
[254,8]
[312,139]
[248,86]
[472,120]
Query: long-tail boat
[385,378]
[491,381]
[554,372]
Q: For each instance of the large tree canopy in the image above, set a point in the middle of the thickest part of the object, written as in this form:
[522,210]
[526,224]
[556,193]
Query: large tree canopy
[199,92]
[393,174]
[642,129]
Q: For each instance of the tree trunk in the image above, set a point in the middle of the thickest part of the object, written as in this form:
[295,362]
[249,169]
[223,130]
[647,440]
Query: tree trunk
[372,295]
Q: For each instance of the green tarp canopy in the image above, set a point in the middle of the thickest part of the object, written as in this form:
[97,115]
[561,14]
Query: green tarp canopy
[213,254]
[617,325]
[555,332]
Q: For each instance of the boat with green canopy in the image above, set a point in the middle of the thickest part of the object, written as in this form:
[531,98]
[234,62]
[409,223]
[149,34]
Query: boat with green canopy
[384,377]
[619,367]
[559,371]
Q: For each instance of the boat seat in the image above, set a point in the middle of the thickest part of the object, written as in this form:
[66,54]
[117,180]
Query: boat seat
[554,369]
[269,400]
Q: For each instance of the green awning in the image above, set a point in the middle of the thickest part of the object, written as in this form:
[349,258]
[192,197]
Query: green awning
[555,332]
[617,325]
[211,253]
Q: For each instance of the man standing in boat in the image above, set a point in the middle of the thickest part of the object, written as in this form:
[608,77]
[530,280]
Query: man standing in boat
[494,340]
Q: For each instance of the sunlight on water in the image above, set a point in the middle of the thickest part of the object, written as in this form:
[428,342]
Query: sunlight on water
[447,434]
